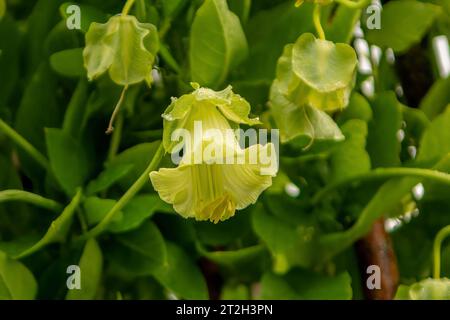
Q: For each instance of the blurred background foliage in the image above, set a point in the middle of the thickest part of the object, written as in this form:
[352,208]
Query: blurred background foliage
[297,242]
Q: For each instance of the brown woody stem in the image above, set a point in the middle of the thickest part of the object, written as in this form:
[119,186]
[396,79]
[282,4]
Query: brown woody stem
[376,249]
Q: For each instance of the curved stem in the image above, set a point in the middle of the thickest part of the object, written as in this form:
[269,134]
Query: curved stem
[317,23]
[28,197]
[24,144]
[442,234]
[384,173]
[131,192]
[127,7]
[354,5]
[110,128]
[56,226]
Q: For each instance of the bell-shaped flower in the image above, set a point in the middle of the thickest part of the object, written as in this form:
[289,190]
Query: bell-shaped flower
[313,77]
[123,46]
[215,176]
[184,111]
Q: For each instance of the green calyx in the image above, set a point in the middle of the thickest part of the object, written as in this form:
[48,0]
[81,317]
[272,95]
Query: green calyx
[123,46]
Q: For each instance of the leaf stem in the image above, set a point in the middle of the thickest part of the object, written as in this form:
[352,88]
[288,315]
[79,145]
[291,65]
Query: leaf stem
[115,138]
[354,4]
[384,173]
[110,128]
[129,194]
[127,7]
[55,227]
[24,144]
[317,23]
[442,234]
[28,197]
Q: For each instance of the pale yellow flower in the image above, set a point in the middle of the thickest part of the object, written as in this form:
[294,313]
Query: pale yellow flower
[225,177]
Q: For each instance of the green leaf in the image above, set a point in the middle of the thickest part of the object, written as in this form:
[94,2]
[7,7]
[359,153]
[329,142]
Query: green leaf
[9,57]
[97,208]
[235,292]
[350,158]
[16,281]
[289,244]
[342,25]
[416,123]
[68,160]
[403,24]
[180,275]
[38,109]
[2,8]
[172,7]
[91,264]
[382,142]
[68,62]
[384,201]
[435,142]
[137,210]
[73,118]
[88,14]
[437,98]
[124,46]
[138,156]
[239,261]
[217,43]
[58,228]
[358,108]
[223,233]
[304,285]
[267,40]
[241,8]
[139,252]
[108,177]
[60,38]
[43,17]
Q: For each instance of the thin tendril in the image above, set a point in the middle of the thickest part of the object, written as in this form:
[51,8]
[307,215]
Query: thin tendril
[317,23]
[442,234]
[127,7]
[110,128]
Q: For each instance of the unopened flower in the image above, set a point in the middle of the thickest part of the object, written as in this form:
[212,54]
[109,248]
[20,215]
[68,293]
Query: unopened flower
[313,77]
[124,47]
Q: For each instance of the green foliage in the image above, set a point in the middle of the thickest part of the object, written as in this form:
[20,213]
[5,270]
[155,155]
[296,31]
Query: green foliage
[16,281]
[217,43]
[71,195]
[301,285]
[91,262]
[68,62]
[400,31]
[68,160]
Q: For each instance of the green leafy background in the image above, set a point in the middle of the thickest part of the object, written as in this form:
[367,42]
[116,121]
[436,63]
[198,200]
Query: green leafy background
[288,245]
